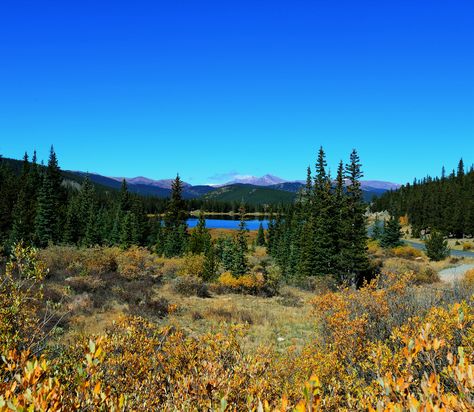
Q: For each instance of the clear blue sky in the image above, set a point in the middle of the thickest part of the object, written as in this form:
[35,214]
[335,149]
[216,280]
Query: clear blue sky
[208,88]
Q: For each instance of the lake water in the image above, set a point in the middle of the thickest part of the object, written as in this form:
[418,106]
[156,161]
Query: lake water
[228,223]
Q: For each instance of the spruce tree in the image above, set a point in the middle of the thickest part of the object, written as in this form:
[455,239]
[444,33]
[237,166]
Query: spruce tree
[175,221]
[240,265]
[200,239]
[436,246]
[260,241]
[391,236]
[210,264]
[354,259]
[58,195]
[324,248]
[21,225]
[46,217]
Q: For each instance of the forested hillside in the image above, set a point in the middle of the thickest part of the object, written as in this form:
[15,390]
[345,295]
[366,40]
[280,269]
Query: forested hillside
[443,203]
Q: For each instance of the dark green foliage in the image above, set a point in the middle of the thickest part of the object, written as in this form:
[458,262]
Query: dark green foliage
[260,241]
[240,265]
[211,263]
[391,236]
[436,246]
[46,217]
[445,203]
[175,229]
[225,250]
[200,239]
[324,233]
[353,257]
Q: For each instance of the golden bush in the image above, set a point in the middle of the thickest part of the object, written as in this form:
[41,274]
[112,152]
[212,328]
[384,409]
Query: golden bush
[407,252]
[192,265]
[137,262]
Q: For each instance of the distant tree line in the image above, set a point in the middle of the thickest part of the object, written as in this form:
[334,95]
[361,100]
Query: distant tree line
[444,204]
[325,232]
[40,207]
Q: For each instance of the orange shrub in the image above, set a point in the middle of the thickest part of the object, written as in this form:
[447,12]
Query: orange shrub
[249,283]
[407,252]
[136,262]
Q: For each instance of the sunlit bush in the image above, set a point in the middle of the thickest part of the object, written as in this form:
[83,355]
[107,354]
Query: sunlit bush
[192,265]
[407,252]
[137,262]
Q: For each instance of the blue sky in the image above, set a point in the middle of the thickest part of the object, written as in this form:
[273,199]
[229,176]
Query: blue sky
[250,87]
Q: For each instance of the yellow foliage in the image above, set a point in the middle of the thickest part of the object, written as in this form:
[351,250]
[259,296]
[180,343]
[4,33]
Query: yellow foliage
[403,220]
[467,246]
[249,282]
[136,261]
[192,265]
[407,252]
[469,277]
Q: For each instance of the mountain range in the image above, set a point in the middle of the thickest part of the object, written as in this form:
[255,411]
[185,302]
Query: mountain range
[251,189]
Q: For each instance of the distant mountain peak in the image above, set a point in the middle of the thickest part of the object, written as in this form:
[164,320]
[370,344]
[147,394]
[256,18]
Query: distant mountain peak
[266,180]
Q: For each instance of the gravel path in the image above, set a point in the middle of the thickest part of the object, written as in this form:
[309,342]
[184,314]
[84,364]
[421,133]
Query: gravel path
[455,273]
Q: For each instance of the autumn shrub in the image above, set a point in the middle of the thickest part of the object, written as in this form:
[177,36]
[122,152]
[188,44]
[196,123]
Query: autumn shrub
[58,259]
[137,262]
[407,252]
[467,246]
[469,277]
[249,283]
[20,299]
[74,261]
[423,273]
[192,265]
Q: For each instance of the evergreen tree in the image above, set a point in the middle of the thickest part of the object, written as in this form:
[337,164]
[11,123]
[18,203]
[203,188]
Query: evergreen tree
[8,196]
[175,221]
[354,257]
[200,238]
[437,247]
[270,233]
[460,173]
[240,265]
[124,199]
[260,241]
[210,263]
[391,236]
[22,224]
[323,248]
[46,217]
[126,231]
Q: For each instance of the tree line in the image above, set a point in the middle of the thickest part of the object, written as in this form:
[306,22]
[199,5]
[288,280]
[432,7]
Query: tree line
[444,203]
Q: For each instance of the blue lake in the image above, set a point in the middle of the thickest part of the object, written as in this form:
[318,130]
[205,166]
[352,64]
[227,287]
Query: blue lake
[252,224]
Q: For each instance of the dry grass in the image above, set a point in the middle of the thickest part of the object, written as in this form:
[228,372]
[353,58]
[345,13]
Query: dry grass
[270,321]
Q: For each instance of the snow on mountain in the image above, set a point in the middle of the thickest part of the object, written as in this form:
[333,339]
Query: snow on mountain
[266,180]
